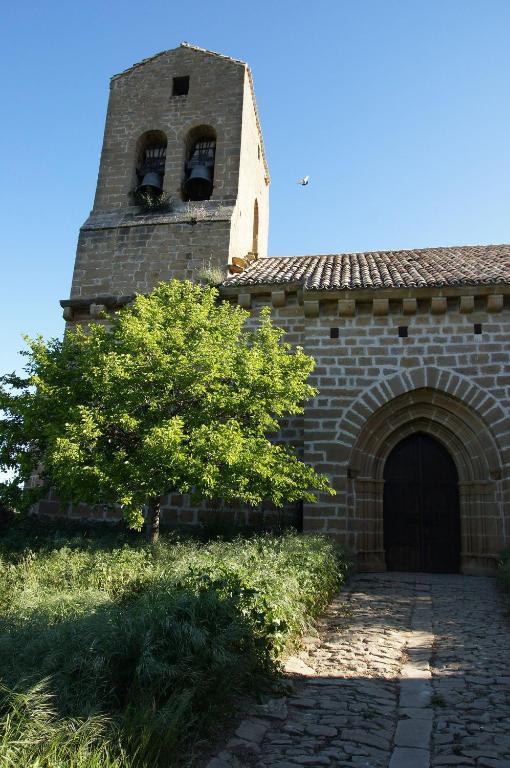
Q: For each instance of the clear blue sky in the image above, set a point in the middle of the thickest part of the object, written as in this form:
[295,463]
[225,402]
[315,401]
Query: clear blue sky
[398,109]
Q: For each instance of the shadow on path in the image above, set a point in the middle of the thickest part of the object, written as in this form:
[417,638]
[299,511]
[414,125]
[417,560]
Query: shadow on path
[412,671]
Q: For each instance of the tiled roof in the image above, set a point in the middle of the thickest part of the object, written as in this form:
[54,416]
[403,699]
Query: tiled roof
[434,267]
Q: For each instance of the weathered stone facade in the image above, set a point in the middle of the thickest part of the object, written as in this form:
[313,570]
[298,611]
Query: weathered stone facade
[376,387]
[122,251]
[405,343]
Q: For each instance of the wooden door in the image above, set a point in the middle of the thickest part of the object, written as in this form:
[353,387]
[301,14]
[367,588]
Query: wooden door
[421,507]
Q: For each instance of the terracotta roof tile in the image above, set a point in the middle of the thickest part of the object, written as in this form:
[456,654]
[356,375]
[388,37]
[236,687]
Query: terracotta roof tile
[434,267]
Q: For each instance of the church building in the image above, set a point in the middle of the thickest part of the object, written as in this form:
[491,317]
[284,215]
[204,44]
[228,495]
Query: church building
[412,422]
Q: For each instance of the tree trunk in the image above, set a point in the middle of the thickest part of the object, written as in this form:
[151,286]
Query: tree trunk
[152,520]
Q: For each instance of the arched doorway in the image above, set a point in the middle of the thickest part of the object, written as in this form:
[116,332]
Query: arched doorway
[468,439]
[421,507]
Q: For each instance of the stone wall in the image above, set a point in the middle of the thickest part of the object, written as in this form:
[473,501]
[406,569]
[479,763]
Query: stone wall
[376,387]
[133,257]
[253,186]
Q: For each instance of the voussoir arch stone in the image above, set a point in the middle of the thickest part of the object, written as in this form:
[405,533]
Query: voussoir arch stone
[457,426]
[436,379]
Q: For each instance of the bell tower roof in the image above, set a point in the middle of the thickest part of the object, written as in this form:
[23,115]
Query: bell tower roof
[189,46]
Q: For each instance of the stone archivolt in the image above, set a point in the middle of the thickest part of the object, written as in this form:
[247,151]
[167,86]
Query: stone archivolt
[470,440]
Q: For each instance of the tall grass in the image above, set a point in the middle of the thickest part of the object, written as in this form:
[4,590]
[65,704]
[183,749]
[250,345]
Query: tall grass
[32,734]
[124,654]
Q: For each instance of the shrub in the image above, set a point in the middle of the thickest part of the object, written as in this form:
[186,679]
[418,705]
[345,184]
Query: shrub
[147,645]
[153,203]
[210,274]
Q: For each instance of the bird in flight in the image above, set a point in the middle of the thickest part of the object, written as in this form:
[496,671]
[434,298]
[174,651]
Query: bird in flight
[304,181]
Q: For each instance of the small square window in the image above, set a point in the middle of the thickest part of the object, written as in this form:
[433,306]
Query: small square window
[477,328]
[180,86]
[333,333]
[402,331]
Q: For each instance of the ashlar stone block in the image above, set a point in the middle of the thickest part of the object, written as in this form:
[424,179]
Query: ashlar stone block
[409,306]
[438,305]
[494,302]
[467,304]
[346,307]
[380,307]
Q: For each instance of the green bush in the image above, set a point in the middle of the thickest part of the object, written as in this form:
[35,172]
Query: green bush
[147,646]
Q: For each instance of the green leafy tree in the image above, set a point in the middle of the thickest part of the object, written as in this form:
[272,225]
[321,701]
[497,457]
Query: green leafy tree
[174,395]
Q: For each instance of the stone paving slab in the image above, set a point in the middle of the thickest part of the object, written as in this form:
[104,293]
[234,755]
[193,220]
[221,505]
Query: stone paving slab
[403,757]
[471,650]
[411,671]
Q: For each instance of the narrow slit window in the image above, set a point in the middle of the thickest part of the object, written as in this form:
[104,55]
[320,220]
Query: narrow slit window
[477,329]
[255,234]
[402,331]
[333,333]
[180,86]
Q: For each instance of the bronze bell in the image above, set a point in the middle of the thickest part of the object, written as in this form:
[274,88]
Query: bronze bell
[198,185]
[151,183]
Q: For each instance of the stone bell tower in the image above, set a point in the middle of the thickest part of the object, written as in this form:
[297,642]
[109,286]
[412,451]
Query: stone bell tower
[183,181]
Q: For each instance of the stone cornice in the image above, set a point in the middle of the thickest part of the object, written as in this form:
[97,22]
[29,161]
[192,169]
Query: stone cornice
[380,300]
[367,294]
[190,214]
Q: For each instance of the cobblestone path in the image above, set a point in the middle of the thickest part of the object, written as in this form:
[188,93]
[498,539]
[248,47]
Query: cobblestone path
[412,671]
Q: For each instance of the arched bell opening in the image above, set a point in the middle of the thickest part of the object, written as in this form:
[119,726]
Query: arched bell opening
[198,180]
[421,507]
[150,163]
